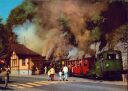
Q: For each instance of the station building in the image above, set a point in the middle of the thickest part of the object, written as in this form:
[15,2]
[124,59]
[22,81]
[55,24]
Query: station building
[24,61]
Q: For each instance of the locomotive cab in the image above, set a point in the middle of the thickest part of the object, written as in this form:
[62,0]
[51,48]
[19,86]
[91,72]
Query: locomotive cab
[109,64]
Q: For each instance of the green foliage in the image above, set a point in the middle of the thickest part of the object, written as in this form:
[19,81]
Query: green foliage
[111,1]
[3,38]
[97,19]
[122,35]
[96,33]
[1,45]
[119,35]
[63,21]
[20,14]
[28,7]
[17,16]
[5,49]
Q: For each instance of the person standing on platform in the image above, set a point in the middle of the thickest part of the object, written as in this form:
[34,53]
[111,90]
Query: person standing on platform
[49,73]
[65,70]
[52,73]
[60,75]
[45,70]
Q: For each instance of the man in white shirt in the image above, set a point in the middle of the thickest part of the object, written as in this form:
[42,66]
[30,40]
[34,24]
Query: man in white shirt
[65,70]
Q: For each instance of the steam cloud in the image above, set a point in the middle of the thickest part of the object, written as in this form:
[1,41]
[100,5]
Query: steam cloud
[50,36]
[27,35]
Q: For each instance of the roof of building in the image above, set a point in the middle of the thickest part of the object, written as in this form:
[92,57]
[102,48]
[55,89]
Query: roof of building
[21,50]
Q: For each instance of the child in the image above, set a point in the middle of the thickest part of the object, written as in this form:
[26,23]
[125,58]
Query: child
[60,75]
[49,73]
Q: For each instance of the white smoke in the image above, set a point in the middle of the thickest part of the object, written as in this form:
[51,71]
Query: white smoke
[27,35]
[95,46]
[73,52]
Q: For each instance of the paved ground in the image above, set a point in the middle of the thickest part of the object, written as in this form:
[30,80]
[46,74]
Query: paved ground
[40,83]
[63,86]
[75,79]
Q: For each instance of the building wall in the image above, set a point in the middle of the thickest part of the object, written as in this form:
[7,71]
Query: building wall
[14,61]
[21,72]
[24,66]
[17,66]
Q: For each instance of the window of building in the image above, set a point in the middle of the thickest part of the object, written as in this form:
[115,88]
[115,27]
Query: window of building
[13,62]
[23,62]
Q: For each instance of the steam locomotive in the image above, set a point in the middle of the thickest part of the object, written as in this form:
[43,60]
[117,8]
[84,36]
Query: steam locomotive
[107,64]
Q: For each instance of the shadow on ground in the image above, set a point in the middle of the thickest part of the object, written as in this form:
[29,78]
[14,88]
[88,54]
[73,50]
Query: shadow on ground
[100,79]
[3,88]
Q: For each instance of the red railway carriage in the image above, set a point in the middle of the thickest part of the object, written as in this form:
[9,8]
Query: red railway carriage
[79,67]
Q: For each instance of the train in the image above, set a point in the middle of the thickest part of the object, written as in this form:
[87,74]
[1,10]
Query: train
[107,64]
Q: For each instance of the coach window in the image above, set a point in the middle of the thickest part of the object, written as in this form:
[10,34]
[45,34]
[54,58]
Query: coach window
[80,64]
[111,56]
[85,64]
[77,62]
[117,56]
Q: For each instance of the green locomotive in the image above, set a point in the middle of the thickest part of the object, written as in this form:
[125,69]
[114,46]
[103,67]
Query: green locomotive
[109,64]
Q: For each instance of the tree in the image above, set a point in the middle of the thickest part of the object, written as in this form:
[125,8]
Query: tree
[93,24]
[119,35]
[96,33]
[1,46]
[64,23]
[4,44]
[17,16]
[124,38]
[20,14]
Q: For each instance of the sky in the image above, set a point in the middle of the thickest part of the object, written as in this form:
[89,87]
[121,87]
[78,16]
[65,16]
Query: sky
[6,6]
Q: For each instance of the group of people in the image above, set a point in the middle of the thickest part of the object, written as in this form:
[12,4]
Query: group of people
[63,73]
